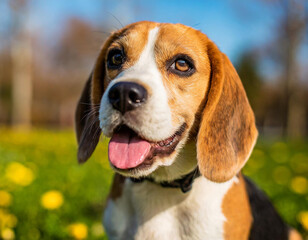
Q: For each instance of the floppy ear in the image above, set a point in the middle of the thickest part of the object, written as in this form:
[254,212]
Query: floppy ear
[227,131]
[86,118]
[87,124]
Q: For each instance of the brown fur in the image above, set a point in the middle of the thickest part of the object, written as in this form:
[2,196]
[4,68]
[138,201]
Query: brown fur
[236,209]
[294,235]
[174,39]
[227,131]
[117,186]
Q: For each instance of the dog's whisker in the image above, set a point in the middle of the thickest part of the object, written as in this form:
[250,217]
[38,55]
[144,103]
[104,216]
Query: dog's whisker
[97,131]
[89,113]
[90,104]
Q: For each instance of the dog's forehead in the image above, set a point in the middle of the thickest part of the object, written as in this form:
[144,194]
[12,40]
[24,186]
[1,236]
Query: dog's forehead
[179,34]
[170,38]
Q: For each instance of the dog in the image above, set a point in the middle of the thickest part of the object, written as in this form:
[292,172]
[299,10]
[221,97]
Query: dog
[181,130]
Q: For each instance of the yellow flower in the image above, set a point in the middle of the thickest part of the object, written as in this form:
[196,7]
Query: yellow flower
[52,200]
[299,185]
[5,199]
[7,234]
[303,219]
[7,220]
[78,230]
[11,220]
[19,174]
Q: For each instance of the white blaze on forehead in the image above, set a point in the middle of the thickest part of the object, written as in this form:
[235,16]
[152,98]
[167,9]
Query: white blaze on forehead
[145,69]
[147,57]
[153,119]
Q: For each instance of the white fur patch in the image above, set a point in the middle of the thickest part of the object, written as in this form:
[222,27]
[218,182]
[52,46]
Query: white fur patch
[117,217]
[160,213]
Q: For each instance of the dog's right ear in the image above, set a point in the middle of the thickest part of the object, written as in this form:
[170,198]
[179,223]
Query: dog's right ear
[86,118]
[86,124]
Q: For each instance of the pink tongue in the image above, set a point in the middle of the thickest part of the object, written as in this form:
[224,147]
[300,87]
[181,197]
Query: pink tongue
[127,150]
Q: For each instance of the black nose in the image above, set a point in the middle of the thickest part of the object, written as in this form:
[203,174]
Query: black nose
[126,96]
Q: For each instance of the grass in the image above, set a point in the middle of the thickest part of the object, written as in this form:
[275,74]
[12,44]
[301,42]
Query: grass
[45,194]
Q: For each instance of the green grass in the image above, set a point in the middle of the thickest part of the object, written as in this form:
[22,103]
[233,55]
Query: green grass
[49,163]
[51,156]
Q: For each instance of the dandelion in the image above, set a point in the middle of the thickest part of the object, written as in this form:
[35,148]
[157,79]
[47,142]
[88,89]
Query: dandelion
[5,199]
[303,219]
[52,200]
[299,185]
[7,220]
[11,220]
[19,174]
[78,230]
[7,234]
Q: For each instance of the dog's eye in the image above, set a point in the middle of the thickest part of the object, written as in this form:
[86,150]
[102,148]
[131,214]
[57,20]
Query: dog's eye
[181,65]
[115,58]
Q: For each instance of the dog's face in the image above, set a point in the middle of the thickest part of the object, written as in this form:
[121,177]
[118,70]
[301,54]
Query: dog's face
[154,88]
[148,107]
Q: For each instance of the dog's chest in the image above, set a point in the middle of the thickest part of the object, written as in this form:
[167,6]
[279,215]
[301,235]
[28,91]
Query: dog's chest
[147,211]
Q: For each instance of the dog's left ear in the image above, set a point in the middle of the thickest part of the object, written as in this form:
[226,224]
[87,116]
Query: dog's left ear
[86,124]
[227,131]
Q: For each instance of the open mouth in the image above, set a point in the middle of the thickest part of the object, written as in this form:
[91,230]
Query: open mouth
[127,150]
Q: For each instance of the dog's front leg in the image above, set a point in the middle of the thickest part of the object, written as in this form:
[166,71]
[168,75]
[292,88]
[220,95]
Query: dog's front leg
[118,217]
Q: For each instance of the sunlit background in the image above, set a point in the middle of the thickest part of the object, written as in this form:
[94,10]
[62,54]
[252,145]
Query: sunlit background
[48,49]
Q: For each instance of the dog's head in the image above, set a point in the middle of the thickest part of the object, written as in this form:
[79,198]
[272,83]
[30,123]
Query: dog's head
[155,89]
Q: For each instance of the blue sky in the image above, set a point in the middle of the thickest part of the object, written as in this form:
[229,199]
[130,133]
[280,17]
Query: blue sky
[233,25]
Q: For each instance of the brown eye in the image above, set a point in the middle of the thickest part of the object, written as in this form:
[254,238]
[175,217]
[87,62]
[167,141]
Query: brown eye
[182,65]
[115,59]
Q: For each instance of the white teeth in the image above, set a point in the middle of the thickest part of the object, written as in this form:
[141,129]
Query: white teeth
[167,142]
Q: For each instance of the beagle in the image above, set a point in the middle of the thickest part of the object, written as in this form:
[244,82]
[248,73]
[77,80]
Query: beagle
[181,129]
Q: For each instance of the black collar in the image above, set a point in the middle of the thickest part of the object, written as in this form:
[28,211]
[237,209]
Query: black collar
[184,183]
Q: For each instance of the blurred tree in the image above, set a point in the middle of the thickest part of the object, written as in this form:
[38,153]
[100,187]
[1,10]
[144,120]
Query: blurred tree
[250,76]
[5,85]
[21,53]
[294,23]
[61,68]
[283,50]
[265,99]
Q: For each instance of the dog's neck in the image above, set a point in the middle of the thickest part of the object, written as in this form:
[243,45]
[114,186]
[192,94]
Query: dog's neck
[185,163]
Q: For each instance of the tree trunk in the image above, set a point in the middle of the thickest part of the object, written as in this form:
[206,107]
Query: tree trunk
[22,80]
[295,26]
